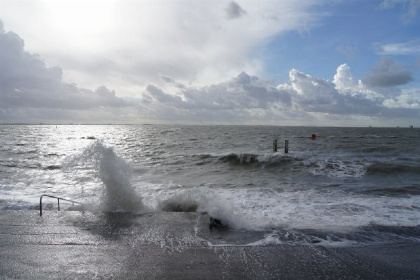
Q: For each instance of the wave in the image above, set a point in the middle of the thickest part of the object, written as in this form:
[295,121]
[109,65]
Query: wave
[288,163]
[278,160]
[257,209]
[52,167]
[249,159]
[378,149]
[333,166]
[368,235]
[391,168]
[405,190]
[179,203]
[20,164]
[115,174]
[241,159]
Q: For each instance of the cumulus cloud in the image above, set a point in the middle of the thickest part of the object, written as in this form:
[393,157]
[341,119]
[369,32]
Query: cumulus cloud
[387,73]
[344,78]
[249,99]
[30,91]
[240,93]
[318,95]
[26,82]
[409,99]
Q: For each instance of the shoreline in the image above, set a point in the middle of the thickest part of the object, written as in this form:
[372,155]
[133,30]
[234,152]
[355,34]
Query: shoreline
[168,245]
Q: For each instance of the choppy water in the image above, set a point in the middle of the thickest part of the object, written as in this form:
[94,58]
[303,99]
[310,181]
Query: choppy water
[350,185]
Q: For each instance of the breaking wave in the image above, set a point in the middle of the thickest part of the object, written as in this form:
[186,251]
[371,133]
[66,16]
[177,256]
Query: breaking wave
[114,173]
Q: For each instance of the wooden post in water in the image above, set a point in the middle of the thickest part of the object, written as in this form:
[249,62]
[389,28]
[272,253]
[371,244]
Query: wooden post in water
[275,145]
[286,146]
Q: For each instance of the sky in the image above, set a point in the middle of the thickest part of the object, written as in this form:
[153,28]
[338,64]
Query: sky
[248,62]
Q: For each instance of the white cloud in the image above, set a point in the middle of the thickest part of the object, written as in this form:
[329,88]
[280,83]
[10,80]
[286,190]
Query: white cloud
[30,91]
[404,48]
[129,44]
[408,99]
[248,99]
[343,78]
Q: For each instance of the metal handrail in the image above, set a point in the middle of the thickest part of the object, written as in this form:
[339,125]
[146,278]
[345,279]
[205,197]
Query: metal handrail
[58,202]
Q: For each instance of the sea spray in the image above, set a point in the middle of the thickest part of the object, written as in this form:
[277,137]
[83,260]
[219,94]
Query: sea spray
[113,171]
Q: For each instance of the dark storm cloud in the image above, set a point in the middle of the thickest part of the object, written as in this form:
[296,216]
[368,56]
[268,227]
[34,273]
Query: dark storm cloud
[25,81]
[387,73]
[234,11]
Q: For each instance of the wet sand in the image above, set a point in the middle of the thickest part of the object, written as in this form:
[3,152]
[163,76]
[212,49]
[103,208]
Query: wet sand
[74,245]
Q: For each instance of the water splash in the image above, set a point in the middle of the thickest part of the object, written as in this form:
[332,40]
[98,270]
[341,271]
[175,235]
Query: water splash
[114,173]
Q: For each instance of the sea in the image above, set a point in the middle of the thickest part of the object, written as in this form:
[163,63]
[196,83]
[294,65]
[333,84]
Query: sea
[346,187]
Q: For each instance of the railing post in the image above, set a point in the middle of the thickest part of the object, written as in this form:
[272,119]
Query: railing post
[58,202]
[40,205]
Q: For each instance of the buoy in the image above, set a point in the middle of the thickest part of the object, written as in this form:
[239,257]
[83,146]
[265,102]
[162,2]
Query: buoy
[313,137]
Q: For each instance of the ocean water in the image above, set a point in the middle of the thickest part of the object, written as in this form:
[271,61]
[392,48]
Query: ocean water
[347,187]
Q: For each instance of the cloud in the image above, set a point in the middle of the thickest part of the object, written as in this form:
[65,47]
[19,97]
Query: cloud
[303,99]
[130,44]
[409,99]
[387,73]
[344,78]
[30,91]
[26,82]
[405,48]
[240,93]
[234,11]
[312,94]
[409,7]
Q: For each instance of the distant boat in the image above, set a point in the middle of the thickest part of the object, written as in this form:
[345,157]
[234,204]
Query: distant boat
[411,126]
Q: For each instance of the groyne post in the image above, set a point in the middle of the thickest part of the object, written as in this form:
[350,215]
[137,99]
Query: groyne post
[286,146]
[275,145]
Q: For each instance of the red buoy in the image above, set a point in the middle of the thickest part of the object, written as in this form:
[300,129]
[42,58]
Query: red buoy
[313,137]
